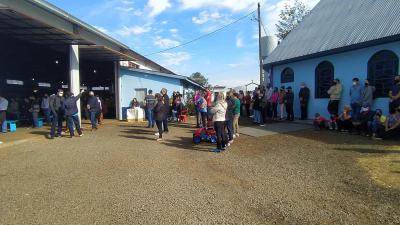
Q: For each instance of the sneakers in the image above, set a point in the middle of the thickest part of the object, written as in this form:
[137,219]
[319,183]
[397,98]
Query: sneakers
[237,135]
[157,134]
[159,139]
[262,125]
[1,142]
[80,135]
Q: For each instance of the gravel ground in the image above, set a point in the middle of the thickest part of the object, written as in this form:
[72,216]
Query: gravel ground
[120,175]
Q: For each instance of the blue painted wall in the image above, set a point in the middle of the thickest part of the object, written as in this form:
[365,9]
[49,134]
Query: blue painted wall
[347,65]
[131,80]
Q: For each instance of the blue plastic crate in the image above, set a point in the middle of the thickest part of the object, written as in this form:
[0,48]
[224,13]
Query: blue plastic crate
[13,125]
[40,123]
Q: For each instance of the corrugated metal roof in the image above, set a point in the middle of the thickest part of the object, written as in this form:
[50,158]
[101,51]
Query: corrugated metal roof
[339,25]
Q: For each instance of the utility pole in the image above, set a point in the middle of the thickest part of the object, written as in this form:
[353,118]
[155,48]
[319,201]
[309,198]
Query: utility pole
[259,46]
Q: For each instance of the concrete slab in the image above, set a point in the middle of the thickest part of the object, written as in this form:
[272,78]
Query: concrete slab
[272,129]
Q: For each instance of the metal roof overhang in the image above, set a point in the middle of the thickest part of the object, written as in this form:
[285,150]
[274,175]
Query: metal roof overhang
[39,22]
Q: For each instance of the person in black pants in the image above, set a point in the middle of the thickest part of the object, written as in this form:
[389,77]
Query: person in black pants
[160,113]
[58,110]
[289,99]
[72,113]
[164,94]
[304,96]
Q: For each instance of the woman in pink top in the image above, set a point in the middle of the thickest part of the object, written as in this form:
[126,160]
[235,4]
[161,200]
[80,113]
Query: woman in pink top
[274,101]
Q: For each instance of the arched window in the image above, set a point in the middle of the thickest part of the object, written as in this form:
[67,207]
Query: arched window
[382,67]
[287,75]
[324,75]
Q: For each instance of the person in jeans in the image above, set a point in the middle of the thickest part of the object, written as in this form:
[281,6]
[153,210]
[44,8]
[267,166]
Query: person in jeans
[150,102]
[257,108]
[304,96]
[3,110]
[34,109]
[94,108]
[202,108]
[335,94]
[45,106]
[236,114]
[289,100]
[72,113]
[219,115]
[356,98]
[160,113]
[377,124]
[229,116]
[58,111]
[247,103]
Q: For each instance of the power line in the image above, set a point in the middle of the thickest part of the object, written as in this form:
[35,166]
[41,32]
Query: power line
[203,36]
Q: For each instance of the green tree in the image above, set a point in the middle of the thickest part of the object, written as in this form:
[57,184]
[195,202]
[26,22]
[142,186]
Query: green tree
[290,17]
[199,78]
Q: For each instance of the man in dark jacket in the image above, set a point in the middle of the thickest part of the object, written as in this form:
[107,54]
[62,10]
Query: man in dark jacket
[72,113]
[304,96]
[289,100]
[57,110]
[93,105]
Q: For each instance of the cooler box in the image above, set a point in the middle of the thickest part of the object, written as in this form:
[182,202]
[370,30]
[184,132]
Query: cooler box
[12,124]
[136,114]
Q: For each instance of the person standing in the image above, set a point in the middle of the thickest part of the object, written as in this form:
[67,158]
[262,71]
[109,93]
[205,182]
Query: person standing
[196,98]
[34,109]
[368,94]
[274,103]
[229,116]
[281,101]
[219,115]
[150,102]
[202,108]
[335,94]
[94,108]
[257,108]
[160,112]
[57,107]
[267,100]
[356,98]
[247,102]
[45,106]
[304,96]
[164,94]
[3,110]
[236,114]
[72,113]
[289,100]
[394,95]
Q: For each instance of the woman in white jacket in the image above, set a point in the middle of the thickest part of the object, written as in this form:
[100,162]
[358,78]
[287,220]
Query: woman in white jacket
[219,112]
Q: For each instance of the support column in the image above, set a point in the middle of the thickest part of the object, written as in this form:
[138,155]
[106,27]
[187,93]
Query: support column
[74,76]
[117,77]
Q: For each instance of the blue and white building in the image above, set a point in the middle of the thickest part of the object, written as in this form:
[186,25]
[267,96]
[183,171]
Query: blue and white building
[340,39]
[135,83]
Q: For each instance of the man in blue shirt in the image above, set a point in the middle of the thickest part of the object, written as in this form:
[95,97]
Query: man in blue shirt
[356,98]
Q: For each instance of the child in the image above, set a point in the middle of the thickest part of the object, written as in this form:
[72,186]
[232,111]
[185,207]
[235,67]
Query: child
[345,123]
[320,122]
[333,122]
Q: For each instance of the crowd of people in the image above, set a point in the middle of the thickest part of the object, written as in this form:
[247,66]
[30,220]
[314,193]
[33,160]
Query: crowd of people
[53,110]
[359,117]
